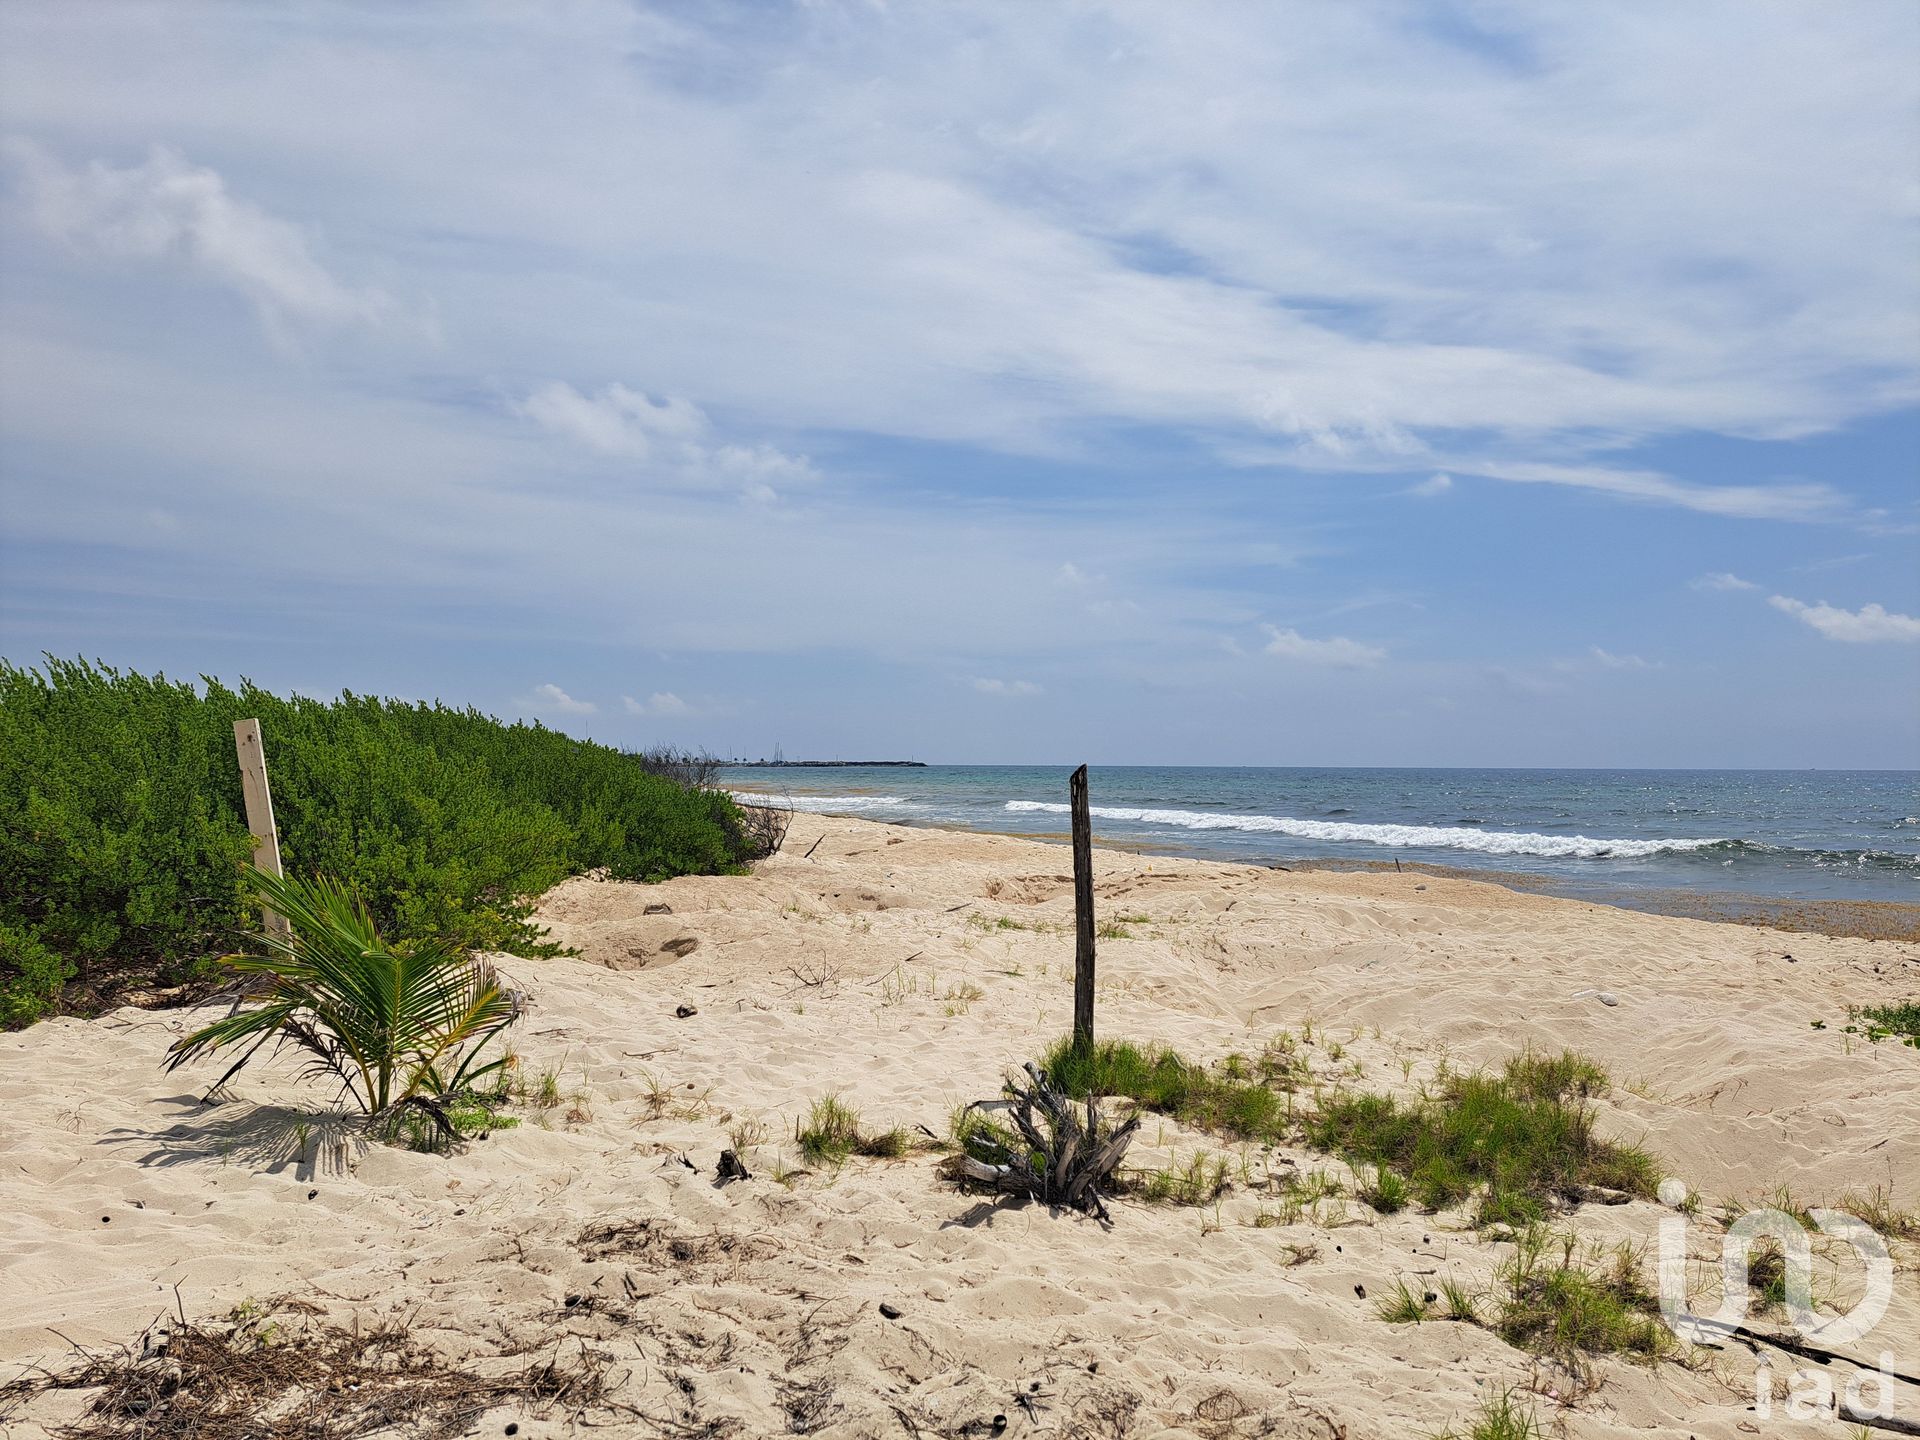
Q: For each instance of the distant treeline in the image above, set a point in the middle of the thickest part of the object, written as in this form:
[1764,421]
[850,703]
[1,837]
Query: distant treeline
[123,833]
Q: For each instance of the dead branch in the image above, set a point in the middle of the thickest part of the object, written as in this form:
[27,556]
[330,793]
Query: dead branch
[766,828]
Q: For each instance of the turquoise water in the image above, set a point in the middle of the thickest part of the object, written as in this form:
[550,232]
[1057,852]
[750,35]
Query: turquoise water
[1823,834]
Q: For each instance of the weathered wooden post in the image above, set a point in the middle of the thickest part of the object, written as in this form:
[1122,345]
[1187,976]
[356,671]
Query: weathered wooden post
[1082,911]
[259,800]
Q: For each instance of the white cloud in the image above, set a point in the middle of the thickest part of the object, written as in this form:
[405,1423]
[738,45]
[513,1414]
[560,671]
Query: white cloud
[617,421]
[1008,688]
[660,704]
[1607,660]
[552,700]
[1867,625]
[168,211]
[1721,580]
[1438,484]
[997,242]
[1337,651]
[1071,574]
[1803,501]
[672,434]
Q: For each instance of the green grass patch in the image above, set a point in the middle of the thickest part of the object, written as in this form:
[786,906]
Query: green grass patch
[1553,1303]
[123,833]
[473,1115]
[1516,1138]
[1229,1100]
[832,1132]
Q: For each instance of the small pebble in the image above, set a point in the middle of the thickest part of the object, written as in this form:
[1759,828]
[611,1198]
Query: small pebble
[1607,997]
[106,1219]
[1361,1291]
[892,1312]
[312,1193]
[512,1428]
[685,1010]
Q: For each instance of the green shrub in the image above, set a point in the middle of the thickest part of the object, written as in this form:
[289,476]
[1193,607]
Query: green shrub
[122,831]
[1880,1022]
[30,977]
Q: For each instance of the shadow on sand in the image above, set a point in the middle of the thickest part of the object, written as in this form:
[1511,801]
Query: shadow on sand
[272,1138]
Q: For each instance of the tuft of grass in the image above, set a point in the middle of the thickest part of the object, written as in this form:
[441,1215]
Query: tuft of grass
[1517,1137]
[1877,1209]
[996,922]
[1386,1192]
[745,1135]
[883,1145]
[1566,1307]
[832,1133]
[1113,930]
[1201,1181]
[1279,1065]
[1461,1304]
[1403,1305]
[1501,1418]
[1767,1273]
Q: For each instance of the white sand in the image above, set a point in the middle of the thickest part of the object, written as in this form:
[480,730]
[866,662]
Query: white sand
[116,1186]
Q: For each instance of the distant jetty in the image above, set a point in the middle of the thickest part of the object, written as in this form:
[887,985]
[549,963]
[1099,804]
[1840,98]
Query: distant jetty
[822,764]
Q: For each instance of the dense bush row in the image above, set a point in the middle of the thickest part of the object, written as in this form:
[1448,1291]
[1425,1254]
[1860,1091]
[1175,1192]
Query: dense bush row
[122,829]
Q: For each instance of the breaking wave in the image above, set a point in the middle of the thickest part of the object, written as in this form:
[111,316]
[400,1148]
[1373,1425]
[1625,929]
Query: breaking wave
[822,804]
[1487,842]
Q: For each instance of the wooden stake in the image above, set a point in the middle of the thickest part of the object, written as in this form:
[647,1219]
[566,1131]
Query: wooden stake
[259,799]
[1082,911]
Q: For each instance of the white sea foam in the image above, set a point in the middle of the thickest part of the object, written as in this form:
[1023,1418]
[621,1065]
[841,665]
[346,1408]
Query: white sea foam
[1487,842]
[821,804]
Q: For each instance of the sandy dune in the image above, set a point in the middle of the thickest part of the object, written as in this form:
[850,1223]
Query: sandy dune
[883,966]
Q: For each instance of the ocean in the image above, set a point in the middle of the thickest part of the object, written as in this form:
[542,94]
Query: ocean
[1780,834]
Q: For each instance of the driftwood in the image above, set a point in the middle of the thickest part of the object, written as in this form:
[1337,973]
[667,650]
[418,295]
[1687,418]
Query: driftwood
[1066,1164]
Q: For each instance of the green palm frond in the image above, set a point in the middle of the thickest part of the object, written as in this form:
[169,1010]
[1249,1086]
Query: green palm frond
[394,1024]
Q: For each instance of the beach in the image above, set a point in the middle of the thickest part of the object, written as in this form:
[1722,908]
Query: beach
[908,969]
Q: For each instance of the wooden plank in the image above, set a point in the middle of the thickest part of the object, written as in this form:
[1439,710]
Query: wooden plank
[259,801]
[1082,910]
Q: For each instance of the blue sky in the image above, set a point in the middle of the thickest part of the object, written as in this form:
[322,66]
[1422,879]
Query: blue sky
[1469,383]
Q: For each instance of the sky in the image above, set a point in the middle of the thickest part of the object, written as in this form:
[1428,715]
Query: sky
[1283,383]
